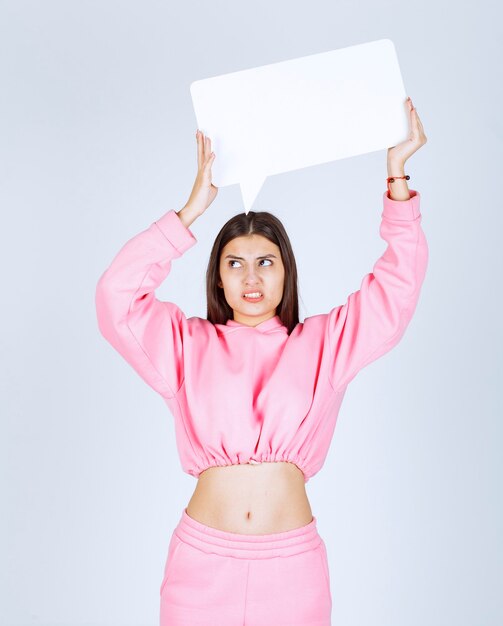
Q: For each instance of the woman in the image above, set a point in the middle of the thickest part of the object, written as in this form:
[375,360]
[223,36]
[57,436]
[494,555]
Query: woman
[255,393]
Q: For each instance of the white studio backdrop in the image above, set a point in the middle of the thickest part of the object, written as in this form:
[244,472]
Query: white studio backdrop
[97,140]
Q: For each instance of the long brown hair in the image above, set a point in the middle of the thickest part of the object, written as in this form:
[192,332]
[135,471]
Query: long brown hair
[269,226]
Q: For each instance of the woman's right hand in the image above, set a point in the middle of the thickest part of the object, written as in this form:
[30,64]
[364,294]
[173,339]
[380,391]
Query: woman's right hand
[203,192]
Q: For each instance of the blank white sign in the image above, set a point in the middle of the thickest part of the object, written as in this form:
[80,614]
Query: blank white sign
[285,116]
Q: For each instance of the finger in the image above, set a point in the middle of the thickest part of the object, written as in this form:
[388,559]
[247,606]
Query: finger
[419,124]
[418,129]
[209,163]
[416,122]
[207,147]
[210,160]
[199,148]
[413,115]
[203,149]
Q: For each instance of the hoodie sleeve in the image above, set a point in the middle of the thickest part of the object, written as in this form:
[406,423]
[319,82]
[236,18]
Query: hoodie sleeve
[374,318]
[148,333]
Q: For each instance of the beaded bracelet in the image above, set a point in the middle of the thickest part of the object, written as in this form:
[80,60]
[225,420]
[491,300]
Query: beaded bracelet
[391,179]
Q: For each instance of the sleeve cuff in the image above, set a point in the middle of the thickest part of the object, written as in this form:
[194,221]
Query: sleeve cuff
[172,227]
[402,209]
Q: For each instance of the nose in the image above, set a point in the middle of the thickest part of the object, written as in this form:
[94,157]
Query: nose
[251,283]
[251,276]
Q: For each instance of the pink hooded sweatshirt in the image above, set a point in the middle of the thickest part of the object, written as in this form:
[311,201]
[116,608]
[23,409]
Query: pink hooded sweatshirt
[243,394]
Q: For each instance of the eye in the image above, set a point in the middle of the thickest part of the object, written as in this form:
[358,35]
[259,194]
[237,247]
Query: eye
[261,261]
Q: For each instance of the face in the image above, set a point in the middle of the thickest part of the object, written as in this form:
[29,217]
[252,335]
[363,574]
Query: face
[251,264]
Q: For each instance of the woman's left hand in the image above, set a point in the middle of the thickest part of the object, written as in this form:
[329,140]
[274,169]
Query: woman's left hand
[400,153]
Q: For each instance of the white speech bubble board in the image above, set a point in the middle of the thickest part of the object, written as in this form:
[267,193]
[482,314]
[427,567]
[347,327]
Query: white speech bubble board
[302,112]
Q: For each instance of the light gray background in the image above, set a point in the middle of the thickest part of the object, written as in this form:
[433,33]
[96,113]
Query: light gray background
[98,141]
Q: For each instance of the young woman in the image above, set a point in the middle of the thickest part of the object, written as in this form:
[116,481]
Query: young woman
[255,393]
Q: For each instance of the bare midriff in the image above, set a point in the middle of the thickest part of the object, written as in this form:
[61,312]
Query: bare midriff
[251,499]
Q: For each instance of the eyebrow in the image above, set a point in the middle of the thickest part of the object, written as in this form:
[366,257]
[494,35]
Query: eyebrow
[265,256]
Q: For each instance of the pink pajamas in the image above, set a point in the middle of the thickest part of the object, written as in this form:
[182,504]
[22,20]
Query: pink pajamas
[218,578]
[254,394]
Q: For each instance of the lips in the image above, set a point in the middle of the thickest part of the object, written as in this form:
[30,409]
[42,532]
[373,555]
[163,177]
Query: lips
[253,296]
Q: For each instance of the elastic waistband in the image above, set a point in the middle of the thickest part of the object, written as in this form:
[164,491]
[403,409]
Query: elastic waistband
[239,545]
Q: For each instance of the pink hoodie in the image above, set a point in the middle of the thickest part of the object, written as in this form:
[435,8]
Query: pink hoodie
[243,394]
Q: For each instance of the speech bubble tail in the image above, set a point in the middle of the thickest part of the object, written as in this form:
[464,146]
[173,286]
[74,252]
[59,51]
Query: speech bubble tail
[250,189]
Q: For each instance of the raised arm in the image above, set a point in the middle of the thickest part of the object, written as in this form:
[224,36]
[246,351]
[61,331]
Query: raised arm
[374,318]
[149,333]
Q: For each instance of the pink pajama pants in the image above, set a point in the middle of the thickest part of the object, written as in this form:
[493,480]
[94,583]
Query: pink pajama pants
[218,578]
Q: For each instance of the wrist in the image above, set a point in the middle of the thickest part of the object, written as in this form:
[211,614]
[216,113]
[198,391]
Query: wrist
[396,168]
[188,214]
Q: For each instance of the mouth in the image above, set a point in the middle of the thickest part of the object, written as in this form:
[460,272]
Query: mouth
[253,296]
